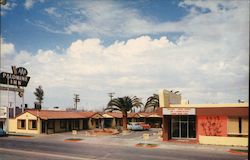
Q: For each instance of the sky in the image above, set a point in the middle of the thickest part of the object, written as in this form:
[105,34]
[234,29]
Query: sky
[131,48]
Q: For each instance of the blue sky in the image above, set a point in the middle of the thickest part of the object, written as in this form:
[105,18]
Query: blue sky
[128,47]
[36,21]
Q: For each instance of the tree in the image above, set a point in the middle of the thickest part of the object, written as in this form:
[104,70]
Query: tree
[152,102]
[123,104]
[39,97]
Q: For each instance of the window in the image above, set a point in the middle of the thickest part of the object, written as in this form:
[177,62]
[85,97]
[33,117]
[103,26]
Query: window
[76,123]
[62,123]
[32,124]
[237,126]
[233,125]
[244,127]
[50,124]
[21,124]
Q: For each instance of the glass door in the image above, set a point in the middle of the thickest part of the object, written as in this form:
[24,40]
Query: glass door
[191,127]
[175,127]
[183,127]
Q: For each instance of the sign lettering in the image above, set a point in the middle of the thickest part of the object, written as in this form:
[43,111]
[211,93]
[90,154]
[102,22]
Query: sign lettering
[17,78]
[178,111]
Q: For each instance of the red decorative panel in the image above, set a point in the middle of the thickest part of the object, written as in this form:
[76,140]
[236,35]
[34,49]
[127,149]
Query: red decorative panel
[212,126]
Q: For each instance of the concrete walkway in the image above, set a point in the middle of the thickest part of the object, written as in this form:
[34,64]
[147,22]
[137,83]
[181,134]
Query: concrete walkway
[114,140]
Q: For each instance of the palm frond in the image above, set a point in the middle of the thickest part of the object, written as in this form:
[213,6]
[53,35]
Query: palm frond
[152,102]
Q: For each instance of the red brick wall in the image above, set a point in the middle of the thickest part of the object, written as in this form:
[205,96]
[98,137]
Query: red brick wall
[211,126]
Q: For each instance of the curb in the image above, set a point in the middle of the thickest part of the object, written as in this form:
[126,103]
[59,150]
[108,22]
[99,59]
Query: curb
[238,152]
[72,140]
[146,145]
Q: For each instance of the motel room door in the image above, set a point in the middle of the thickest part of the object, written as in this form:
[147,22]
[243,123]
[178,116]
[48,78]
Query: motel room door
[43,127]
[1,124]
[183,126]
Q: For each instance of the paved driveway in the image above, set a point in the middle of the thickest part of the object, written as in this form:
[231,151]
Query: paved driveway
[137,135]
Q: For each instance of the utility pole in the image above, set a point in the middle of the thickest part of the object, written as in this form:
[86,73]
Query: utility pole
[111,95]
[76,100]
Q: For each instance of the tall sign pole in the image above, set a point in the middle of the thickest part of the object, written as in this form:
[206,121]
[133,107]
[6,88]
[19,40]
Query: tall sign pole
[14,109]
[8,114]
[23,102]
[18,79]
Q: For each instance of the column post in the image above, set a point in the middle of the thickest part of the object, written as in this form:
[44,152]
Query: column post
[166,121]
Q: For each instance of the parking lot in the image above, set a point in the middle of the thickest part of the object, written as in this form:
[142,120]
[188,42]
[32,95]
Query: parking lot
[118,146]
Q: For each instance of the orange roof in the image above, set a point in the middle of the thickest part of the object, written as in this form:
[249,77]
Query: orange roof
[114,114]
[148,114]
[88,114]
[144,114]
[119,114]
[51,114]
[133,115]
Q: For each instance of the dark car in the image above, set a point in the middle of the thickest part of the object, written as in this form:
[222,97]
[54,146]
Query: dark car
[2,133]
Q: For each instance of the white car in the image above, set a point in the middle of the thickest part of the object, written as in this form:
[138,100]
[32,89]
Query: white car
[134,126]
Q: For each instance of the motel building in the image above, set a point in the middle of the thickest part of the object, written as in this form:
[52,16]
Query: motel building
[35,122]
[219,124]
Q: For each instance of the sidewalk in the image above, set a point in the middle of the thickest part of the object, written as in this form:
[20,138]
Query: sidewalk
[153,139]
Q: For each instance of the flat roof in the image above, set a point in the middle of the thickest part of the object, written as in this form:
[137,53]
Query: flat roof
[209,105]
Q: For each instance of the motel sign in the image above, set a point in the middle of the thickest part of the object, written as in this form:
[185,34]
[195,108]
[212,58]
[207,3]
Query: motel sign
[17,78]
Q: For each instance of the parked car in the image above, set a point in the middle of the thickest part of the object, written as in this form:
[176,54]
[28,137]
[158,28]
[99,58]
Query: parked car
[145,126]
[2,133]
[138,126]
[134,126]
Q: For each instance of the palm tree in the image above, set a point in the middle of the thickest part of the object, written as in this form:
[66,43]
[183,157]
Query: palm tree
[123,104]
[39,97]
[152,102]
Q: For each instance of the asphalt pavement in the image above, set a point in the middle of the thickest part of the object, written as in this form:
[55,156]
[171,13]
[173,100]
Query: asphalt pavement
[115,147]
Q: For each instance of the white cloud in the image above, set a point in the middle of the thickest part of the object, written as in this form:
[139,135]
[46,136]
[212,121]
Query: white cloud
[52,11]
[209,63]
[7,7]
[6,48]
[139,67]
[111,18]
[117,20]
[44,26]
[132,81]
[30,3]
